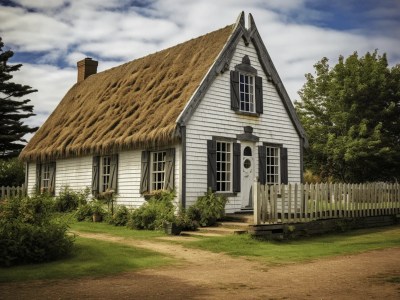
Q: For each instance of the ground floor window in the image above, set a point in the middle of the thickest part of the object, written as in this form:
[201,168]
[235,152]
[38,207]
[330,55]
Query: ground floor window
[273,165]
[106,173]
[224,166]
[157,178]
[45,177]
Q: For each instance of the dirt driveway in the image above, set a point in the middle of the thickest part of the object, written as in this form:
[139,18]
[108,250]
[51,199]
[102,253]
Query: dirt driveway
[206,275]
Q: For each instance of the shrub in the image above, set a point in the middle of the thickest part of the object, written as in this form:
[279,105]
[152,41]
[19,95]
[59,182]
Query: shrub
[84,212]
[208,209]
[121,216]
[30,233]
[153,214]
[12,172]
[69,200]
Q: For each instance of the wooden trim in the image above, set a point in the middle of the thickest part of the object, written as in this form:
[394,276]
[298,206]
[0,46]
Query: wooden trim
[183,163]
[246,113]
[272,144]
[224,139]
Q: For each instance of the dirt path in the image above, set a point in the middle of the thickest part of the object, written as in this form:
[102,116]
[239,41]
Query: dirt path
[206,275]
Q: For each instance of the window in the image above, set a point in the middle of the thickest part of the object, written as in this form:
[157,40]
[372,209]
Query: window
[106,173]
[224,164]
[157,177]
[273,164]
[45,178]
[273,167]
[246,91]
[157,171]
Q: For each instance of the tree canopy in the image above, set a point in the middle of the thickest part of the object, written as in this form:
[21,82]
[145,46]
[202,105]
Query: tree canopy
[13,110]
[351,113]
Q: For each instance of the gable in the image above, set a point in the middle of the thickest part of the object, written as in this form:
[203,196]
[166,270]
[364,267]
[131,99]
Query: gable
[130,106]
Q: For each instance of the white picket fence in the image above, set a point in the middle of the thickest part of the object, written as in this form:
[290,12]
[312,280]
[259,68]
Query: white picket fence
[292,203]
[12,191]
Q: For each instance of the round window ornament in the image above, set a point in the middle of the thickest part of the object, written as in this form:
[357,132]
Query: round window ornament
[247,163]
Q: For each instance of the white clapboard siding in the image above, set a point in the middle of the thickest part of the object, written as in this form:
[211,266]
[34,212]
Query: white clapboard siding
[129,172]
[214,117]
[30,188]
[74,172]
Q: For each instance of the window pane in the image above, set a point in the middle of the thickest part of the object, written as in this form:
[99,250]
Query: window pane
[224,166]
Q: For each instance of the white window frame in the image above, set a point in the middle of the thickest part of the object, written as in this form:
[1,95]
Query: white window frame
[247,96]
[224,177]
[45,177]
[157,170]
[273,165]
[105,174]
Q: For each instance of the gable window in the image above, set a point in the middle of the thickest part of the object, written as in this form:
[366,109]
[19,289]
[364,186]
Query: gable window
[273,164]
[223,167]
[158,170]
[246,91]
[104,174]
[157,178]
[45,177]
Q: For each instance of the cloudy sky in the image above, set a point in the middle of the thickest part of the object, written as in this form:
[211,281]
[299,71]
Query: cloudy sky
[50,36]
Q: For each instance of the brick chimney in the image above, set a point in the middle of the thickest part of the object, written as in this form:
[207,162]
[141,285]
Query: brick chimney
[86,67]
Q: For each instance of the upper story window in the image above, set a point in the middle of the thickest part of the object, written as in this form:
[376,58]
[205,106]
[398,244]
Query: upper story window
[246,89]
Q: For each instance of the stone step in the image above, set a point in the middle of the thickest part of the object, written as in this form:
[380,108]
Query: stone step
[240,217]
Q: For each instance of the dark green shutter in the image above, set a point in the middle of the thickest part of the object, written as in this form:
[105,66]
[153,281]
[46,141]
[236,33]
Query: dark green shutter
[169,169]
[95,175]
[235,96]
[259,94]
[284,165]
[212,165]
[262,164]
[52,177]
[114,173]
[236,167]
[38,177]
[144,177]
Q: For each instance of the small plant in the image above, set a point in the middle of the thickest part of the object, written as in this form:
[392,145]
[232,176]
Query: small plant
[121,216]
[84,212]
[208,209]
[69,200]
[155,213]
[98,210]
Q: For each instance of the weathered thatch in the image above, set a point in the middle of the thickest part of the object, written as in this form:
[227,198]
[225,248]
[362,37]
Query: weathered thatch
[130,106]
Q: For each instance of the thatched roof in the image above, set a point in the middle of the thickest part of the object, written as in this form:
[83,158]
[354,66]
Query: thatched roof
[130,106]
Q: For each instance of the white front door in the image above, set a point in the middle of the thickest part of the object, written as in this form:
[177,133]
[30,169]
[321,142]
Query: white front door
[248,173]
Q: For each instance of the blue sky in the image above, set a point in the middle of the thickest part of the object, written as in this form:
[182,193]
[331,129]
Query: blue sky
[50,36]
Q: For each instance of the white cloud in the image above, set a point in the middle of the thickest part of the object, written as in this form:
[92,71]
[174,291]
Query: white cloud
[114,31]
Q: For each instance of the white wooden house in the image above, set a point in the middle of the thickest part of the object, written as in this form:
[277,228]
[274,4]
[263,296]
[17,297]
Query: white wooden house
[208,113]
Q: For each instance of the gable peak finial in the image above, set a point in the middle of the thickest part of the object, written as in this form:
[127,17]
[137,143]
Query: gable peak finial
[240,20]
[252,24]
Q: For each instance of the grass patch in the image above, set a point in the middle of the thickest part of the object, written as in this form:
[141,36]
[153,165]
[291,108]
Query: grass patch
[89,258]
[302,250]
[121,231]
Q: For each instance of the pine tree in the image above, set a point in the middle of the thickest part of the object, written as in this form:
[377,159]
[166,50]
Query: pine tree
[351,115]
[13,110]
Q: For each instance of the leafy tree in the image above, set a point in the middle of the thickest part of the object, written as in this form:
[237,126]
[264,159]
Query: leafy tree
[12,109]
[351,113]
[11,172]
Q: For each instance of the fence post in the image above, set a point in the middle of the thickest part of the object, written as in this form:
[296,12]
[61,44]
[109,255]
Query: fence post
[256,203]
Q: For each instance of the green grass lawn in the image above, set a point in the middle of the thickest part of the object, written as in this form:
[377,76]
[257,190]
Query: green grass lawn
[89,258]
[121,231]
[302,250]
